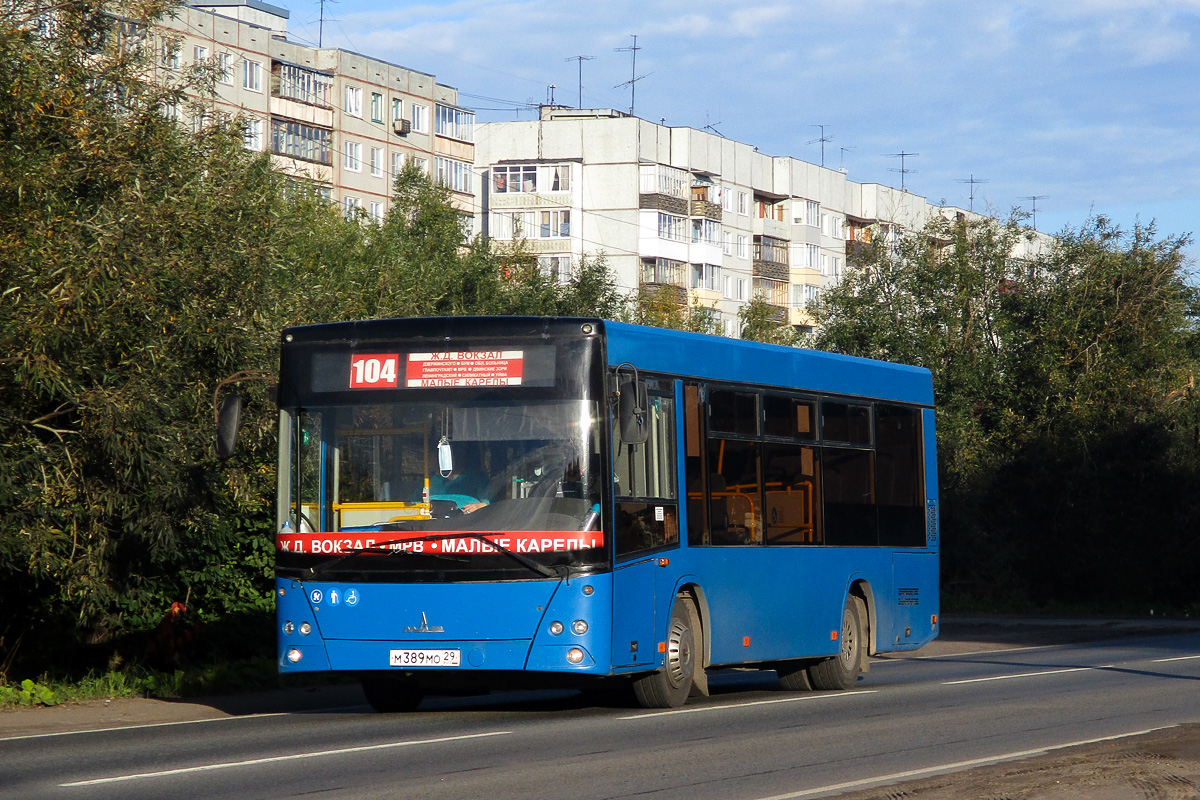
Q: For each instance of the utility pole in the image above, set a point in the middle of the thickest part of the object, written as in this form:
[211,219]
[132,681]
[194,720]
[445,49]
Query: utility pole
[632,82]
[580,59]
[903,172]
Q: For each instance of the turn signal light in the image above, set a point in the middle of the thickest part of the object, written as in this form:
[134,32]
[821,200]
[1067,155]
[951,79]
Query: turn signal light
[574,655]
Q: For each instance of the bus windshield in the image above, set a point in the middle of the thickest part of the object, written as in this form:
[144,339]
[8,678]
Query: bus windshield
[393,479]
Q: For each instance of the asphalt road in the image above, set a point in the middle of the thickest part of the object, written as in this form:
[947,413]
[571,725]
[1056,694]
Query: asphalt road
[909,718]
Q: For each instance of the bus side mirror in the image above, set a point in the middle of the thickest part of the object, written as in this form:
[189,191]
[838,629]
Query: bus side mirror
[632,412]
[229,420]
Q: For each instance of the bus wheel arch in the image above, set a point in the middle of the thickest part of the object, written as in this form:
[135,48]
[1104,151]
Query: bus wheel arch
[671,686]
[842,670]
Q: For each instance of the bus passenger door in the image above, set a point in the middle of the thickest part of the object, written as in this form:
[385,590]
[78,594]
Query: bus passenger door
[646,534]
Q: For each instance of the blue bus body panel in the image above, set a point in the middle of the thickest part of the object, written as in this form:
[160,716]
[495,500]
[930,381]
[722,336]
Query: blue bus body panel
[496,626]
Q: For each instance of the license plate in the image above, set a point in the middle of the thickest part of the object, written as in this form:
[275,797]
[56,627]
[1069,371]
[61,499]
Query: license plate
[426,658]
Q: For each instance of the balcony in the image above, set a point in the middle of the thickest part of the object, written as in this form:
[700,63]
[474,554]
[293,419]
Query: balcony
[770,258]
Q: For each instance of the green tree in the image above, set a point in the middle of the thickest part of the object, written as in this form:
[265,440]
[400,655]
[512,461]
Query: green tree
[1066,408]
[760,322]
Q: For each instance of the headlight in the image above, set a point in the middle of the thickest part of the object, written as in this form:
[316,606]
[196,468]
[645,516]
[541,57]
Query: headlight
[295,655]
[289,628]
[574,655]
[556,627]
[579,626]
[305,629]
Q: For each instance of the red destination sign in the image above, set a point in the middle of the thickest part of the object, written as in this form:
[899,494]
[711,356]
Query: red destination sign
[466,368]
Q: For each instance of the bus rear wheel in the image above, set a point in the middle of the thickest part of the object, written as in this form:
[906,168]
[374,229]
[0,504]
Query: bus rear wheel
[841,671]
[390,695]
[670,687]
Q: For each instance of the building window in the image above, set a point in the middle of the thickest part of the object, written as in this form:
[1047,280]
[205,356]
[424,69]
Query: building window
[252,75]
[377,212]
[353,156]
[706,231]
[706,276]
[170,54]
[510,225]
[353,105]
[397,163]
[555,224]
[743,204]
[303,85]
[526,178]
[743,247]
[727,199]
[813,215]
[377,162]
[727,247]
[831,226]
[421,163]
[376,107]
[199,54]
[297,140]
[661,179]
[454,175]
[420,118]
[225,66]
[170,110]
[812,256]
[663,271]
[352,206]
[252,134]
[803,294]
[397,109]
[455,123]
[558,268]
[672,227]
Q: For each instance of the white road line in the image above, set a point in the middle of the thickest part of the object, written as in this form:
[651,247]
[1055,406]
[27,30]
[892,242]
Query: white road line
[179,722]
[289,757]
[954,767]
[1026,675]
[699,709]
[1177,658]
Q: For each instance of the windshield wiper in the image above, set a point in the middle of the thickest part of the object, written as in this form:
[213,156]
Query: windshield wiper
[528,563]
[381,549]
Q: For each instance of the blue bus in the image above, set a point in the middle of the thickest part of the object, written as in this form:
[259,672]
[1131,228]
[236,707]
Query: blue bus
[471,503]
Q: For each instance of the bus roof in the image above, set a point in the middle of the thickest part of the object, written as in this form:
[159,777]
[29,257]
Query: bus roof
[680,353]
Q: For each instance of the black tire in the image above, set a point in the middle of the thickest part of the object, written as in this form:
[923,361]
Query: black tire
[793,676]
[389,695]
[670,687]
[841,671]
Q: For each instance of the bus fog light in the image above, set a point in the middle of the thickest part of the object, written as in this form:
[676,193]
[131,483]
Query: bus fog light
[574,655]
[295,655]
[579,626]
[556,627]
[305,629]
[289,628]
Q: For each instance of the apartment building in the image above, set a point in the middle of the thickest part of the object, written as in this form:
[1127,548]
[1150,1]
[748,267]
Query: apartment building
[342,122]
[712,220]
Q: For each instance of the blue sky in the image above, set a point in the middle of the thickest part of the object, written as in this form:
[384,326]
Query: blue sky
[1092,105]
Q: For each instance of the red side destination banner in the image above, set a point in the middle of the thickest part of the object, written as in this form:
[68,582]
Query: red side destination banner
[466,368]
[518,542]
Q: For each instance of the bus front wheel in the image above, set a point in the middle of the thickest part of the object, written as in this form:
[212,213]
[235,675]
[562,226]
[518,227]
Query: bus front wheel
[390,695]
[841,671]
[669,687]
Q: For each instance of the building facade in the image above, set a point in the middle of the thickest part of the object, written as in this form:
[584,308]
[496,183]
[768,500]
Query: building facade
[341,122]
[713,220]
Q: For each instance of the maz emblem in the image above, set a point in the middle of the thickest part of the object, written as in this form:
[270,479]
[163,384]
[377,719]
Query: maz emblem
[425,627]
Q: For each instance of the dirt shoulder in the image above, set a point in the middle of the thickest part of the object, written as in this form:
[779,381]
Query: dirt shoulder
[1164,764]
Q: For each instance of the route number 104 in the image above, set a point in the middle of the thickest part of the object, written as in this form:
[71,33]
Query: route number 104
[374,370]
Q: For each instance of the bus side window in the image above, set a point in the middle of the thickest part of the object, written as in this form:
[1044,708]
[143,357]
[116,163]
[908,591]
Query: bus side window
[693,465]
[647,505]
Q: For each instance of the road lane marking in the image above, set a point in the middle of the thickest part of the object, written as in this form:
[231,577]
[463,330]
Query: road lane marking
[957,766]
[698,709]
[181,722]
[1026,675]
[274,759]
[1177,658]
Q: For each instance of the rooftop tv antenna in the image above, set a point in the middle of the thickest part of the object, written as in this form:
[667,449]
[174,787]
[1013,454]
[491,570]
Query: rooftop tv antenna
[712,126]
[550,94]
[1034,198]
[822,139]
[974,182]
[580,59]
[903,172]
[842,158]
[321,24]
[632,82]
